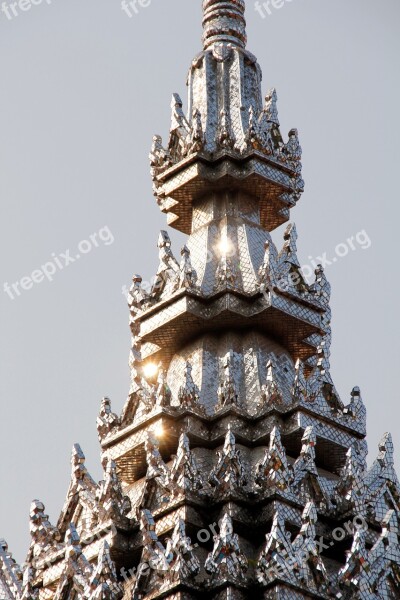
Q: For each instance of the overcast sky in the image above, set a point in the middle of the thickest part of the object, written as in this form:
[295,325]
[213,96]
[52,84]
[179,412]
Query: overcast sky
[83,89]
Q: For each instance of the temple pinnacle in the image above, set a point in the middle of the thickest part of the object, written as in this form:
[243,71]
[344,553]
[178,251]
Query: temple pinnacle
[223,21]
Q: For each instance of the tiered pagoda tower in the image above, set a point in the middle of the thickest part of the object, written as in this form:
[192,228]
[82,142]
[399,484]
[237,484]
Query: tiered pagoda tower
[235,470]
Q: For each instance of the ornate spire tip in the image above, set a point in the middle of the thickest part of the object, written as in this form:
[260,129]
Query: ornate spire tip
[223,21]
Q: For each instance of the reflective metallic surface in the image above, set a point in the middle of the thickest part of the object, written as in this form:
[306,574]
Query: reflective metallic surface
[235,469]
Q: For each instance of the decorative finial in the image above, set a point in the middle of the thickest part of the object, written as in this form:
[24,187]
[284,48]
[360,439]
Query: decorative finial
[223,21]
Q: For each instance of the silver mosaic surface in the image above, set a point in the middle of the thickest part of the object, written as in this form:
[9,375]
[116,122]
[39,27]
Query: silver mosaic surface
[235,469]
[10,574]
[226,118]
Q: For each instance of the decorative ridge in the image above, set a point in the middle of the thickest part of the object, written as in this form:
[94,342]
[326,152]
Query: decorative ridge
[223,21]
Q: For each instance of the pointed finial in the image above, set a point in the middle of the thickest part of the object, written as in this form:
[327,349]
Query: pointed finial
[271,108]
[223,21]
[386,450]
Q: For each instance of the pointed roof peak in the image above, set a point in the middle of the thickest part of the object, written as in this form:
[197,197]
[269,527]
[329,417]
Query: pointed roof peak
[223,21]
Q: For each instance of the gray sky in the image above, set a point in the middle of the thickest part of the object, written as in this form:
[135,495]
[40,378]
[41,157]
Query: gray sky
[84,88]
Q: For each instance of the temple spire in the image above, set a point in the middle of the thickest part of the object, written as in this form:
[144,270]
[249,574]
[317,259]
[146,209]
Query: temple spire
[223,21]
